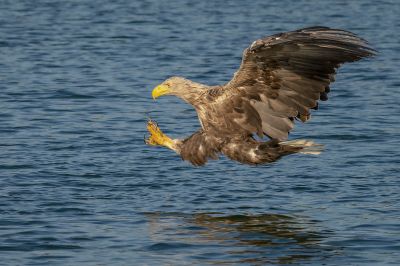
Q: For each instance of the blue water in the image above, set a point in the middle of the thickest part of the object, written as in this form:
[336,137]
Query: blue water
[79,187]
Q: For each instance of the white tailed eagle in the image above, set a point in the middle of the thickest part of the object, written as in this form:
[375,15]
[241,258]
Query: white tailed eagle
[280,79]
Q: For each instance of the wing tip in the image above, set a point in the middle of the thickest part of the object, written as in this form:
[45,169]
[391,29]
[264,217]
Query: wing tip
[347,38]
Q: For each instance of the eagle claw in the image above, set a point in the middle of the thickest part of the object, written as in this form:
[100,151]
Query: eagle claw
[157,137]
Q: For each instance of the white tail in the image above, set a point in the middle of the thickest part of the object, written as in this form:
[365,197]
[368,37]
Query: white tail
[308,146]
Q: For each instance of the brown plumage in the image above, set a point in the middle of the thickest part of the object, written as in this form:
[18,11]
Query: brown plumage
[280,79]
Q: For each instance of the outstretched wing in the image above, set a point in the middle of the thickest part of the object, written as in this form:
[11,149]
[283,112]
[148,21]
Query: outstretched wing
[283,76]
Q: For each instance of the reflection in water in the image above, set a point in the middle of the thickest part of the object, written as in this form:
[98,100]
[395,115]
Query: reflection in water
[255,239]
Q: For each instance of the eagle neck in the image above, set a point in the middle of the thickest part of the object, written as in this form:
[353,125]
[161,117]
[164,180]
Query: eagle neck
[193,93]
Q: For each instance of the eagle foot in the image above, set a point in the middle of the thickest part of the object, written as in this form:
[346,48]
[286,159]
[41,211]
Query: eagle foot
[157,137]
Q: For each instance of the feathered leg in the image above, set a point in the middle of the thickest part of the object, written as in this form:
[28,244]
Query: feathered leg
[196,149]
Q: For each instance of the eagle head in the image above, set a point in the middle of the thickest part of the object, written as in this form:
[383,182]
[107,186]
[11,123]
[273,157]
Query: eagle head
[183,88]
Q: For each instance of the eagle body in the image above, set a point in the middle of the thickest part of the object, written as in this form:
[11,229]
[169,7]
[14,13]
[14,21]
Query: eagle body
[281,78]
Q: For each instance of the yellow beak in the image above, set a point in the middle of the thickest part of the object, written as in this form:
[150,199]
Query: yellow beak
[159,91]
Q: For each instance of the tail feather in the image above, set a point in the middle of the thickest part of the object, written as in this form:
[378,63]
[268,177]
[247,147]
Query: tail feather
[305,146]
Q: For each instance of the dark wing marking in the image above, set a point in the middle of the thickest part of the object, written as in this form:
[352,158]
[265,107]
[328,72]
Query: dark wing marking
[283,76]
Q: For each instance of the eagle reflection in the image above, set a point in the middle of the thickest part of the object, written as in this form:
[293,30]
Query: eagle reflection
[256,239]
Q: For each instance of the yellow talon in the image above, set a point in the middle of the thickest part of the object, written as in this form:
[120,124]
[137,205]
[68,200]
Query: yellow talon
[157,137]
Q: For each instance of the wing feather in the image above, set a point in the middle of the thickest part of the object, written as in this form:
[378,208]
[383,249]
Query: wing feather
[284,75]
